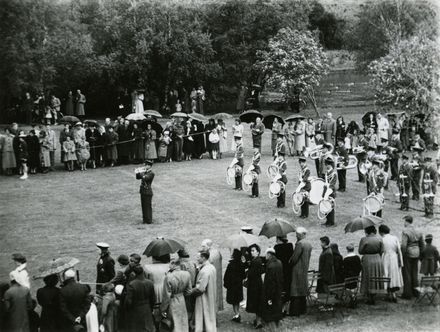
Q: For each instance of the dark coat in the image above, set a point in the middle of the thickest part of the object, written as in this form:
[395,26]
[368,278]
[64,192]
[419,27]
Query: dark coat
[147,179]
[272,290]
[199,140]
[49,300]
[139,305]
[18,302]
[430,258]
[338,264]
[352,268]
[74,302]
[233,281]
[105,269]
[125,134]
[284,251]
[255,286]
[300,261]
[326,270]
[33,151]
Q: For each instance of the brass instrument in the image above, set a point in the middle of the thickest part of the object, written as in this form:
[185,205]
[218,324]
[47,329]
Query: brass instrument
[358,149]
[352,163]
[402,185]
[315,152]
[365,167]
[327,203]
[427,186]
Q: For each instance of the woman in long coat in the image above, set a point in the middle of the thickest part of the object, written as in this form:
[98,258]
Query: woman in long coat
[272,304]
[111,138]
[18,303]
[371,247]
[69,104]
[340,128]
[34,151]
[176,286]
[48,298]
[337,263]
[233,282]
[255,284]
[208,129]
[8,155]
[276,129]
[199,140]
[392,260]
[188,141]
[44,151]
[284,251]
[150,143]
[300,137]
[289,134]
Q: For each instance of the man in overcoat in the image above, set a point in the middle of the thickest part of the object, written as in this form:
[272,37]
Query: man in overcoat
[328,128]
[300,266]
[257,130]
[105,269]
[272,305]
[326,269]
[215,258]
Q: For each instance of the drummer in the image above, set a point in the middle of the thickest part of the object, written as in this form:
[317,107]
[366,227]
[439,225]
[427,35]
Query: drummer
[405,174]
[331,178]
[376,181]
[256,164]
[282,168]
[319,140]
[280,146]
[305,180]
[239,154]
[326,153]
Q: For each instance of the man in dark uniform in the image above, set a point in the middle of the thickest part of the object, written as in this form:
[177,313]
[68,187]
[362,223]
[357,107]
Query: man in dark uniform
[280,146]
[282,167]
[394,148]
[416,172]
[429,186]
[105,269]
[239,157]
[326,153]
[256,164]
[306,186]
[146,192]
[362,154]
[331,178]
[405,175]
[342,163]
[319,140]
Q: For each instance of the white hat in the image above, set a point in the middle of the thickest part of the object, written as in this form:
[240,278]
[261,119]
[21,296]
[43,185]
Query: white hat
[103,245]
[301,230]
[69,274]
[119,289]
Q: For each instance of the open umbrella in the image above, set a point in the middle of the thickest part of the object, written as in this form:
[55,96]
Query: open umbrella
[294,117]
[154,125]
[161,246]
[361,223]
[69,119]
[152,113]
[221,116]
[240,240]
[395,114]
[276,227]
[268,120]
[198,117]
[367,115]
[90,122]
[179,115]
[56,266]
[250,116]
[135,117]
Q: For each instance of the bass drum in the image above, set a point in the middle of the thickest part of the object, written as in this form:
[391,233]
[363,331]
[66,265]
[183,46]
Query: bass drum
[373,204]
[316,191]
[297,201]
[230,175]
[324,208]
[276,188]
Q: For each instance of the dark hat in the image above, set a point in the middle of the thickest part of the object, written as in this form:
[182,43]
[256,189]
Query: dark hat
[371,148]
[428,237]
[183,253]
[350,247]
[123,260]
[383,140]
[302,159]
[404,156]
[417,149]
[19,258]
[340,139]
[362,132]
[281,134]
[395,131]
[427,159]
[318,132]
[329,161]
[148,162]
[377,161]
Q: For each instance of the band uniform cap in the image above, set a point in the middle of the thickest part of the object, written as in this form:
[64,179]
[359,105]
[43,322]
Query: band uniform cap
[371,148]
[350,247]
[79,123]
[237,136]
[362,132]
[377,161]
[318,132]
[340,139]
[148,162]
[280,134]
[19,258]
[428,237]
[415,148]
[303,159]
[103,245]
[246,229]
[427,159]
[383,139]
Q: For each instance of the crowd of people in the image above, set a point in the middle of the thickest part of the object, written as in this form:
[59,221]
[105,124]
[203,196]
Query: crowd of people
[177,293]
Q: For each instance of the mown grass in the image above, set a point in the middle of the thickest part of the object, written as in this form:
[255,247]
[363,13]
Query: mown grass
[65,214]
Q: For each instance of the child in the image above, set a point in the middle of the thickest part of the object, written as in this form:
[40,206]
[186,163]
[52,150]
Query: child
[214,138]
[164,142]
[256,164]
[108,317]
[69,153]
[83,151]
[429,257]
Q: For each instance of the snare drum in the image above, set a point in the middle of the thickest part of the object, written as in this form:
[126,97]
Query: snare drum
[325,206]
[248,178]
[276,188]
[316,191]
[373,203]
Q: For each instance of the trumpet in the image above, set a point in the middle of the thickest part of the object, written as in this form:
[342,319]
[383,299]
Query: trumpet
[313,152]
[402,190]
[427,186]
[352,163]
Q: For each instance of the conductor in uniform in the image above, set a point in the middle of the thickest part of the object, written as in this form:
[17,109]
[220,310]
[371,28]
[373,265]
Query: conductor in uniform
[331,178]
[343,161]
[146,192]
[105,269]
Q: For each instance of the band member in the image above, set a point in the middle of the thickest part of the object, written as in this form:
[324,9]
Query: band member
[239,154]
[331,178]
[146,192]
[376,180]
[416,172]
[394,148]
[360,151]
[282,167]
[319,140]
[257,130]
[405,175]
[418,144]
[256,168]
[280,146]
[326,153]
[429,186]
[342,162]
[304,177]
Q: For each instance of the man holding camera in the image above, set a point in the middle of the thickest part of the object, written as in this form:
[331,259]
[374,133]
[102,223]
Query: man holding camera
[146,191]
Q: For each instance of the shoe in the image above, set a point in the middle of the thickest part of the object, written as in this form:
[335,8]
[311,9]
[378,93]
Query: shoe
[24,177]
[236,319]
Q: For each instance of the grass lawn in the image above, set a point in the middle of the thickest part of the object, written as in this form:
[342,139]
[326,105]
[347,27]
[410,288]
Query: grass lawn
[65,214]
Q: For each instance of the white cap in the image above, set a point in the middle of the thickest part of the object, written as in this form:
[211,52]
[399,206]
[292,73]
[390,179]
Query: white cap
[69,274]
[301,230]
[119,289]
[102,245]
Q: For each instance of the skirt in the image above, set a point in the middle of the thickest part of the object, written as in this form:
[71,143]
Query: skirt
[150,150]
[392,270]
[372,266]
[8,160]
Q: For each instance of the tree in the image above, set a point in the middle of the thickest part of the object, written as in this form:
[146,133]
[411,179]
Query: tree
[408,78]
[330,28]
[384,23]
[294,63]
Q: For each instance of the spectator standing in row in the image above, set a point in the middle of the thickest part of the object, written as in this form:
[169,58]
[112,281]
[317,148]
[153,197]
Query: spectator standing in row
[257,130]
[80,101]
[300,137]
[328,128]
[52,145]
[33,151]
[7,150]
[69,109]
[44,151]
[272,290]
[49,299]
[283,251]
[233,281]
[429,257]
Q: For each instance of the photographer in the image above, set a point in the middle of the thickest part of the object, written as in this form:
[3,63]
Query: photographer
[147,176]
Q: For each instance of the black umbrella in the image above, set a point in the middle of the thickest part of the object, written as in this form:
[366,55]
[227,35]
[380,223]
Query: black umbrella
[154,125]
[250,116]
[91,122]
[69,119]
[294,117]
[161,246]
[366,116]
[276,227]
[268,120]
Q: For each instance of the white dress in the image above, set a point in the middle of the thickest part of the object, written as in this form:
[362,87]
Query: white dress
[391,257]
